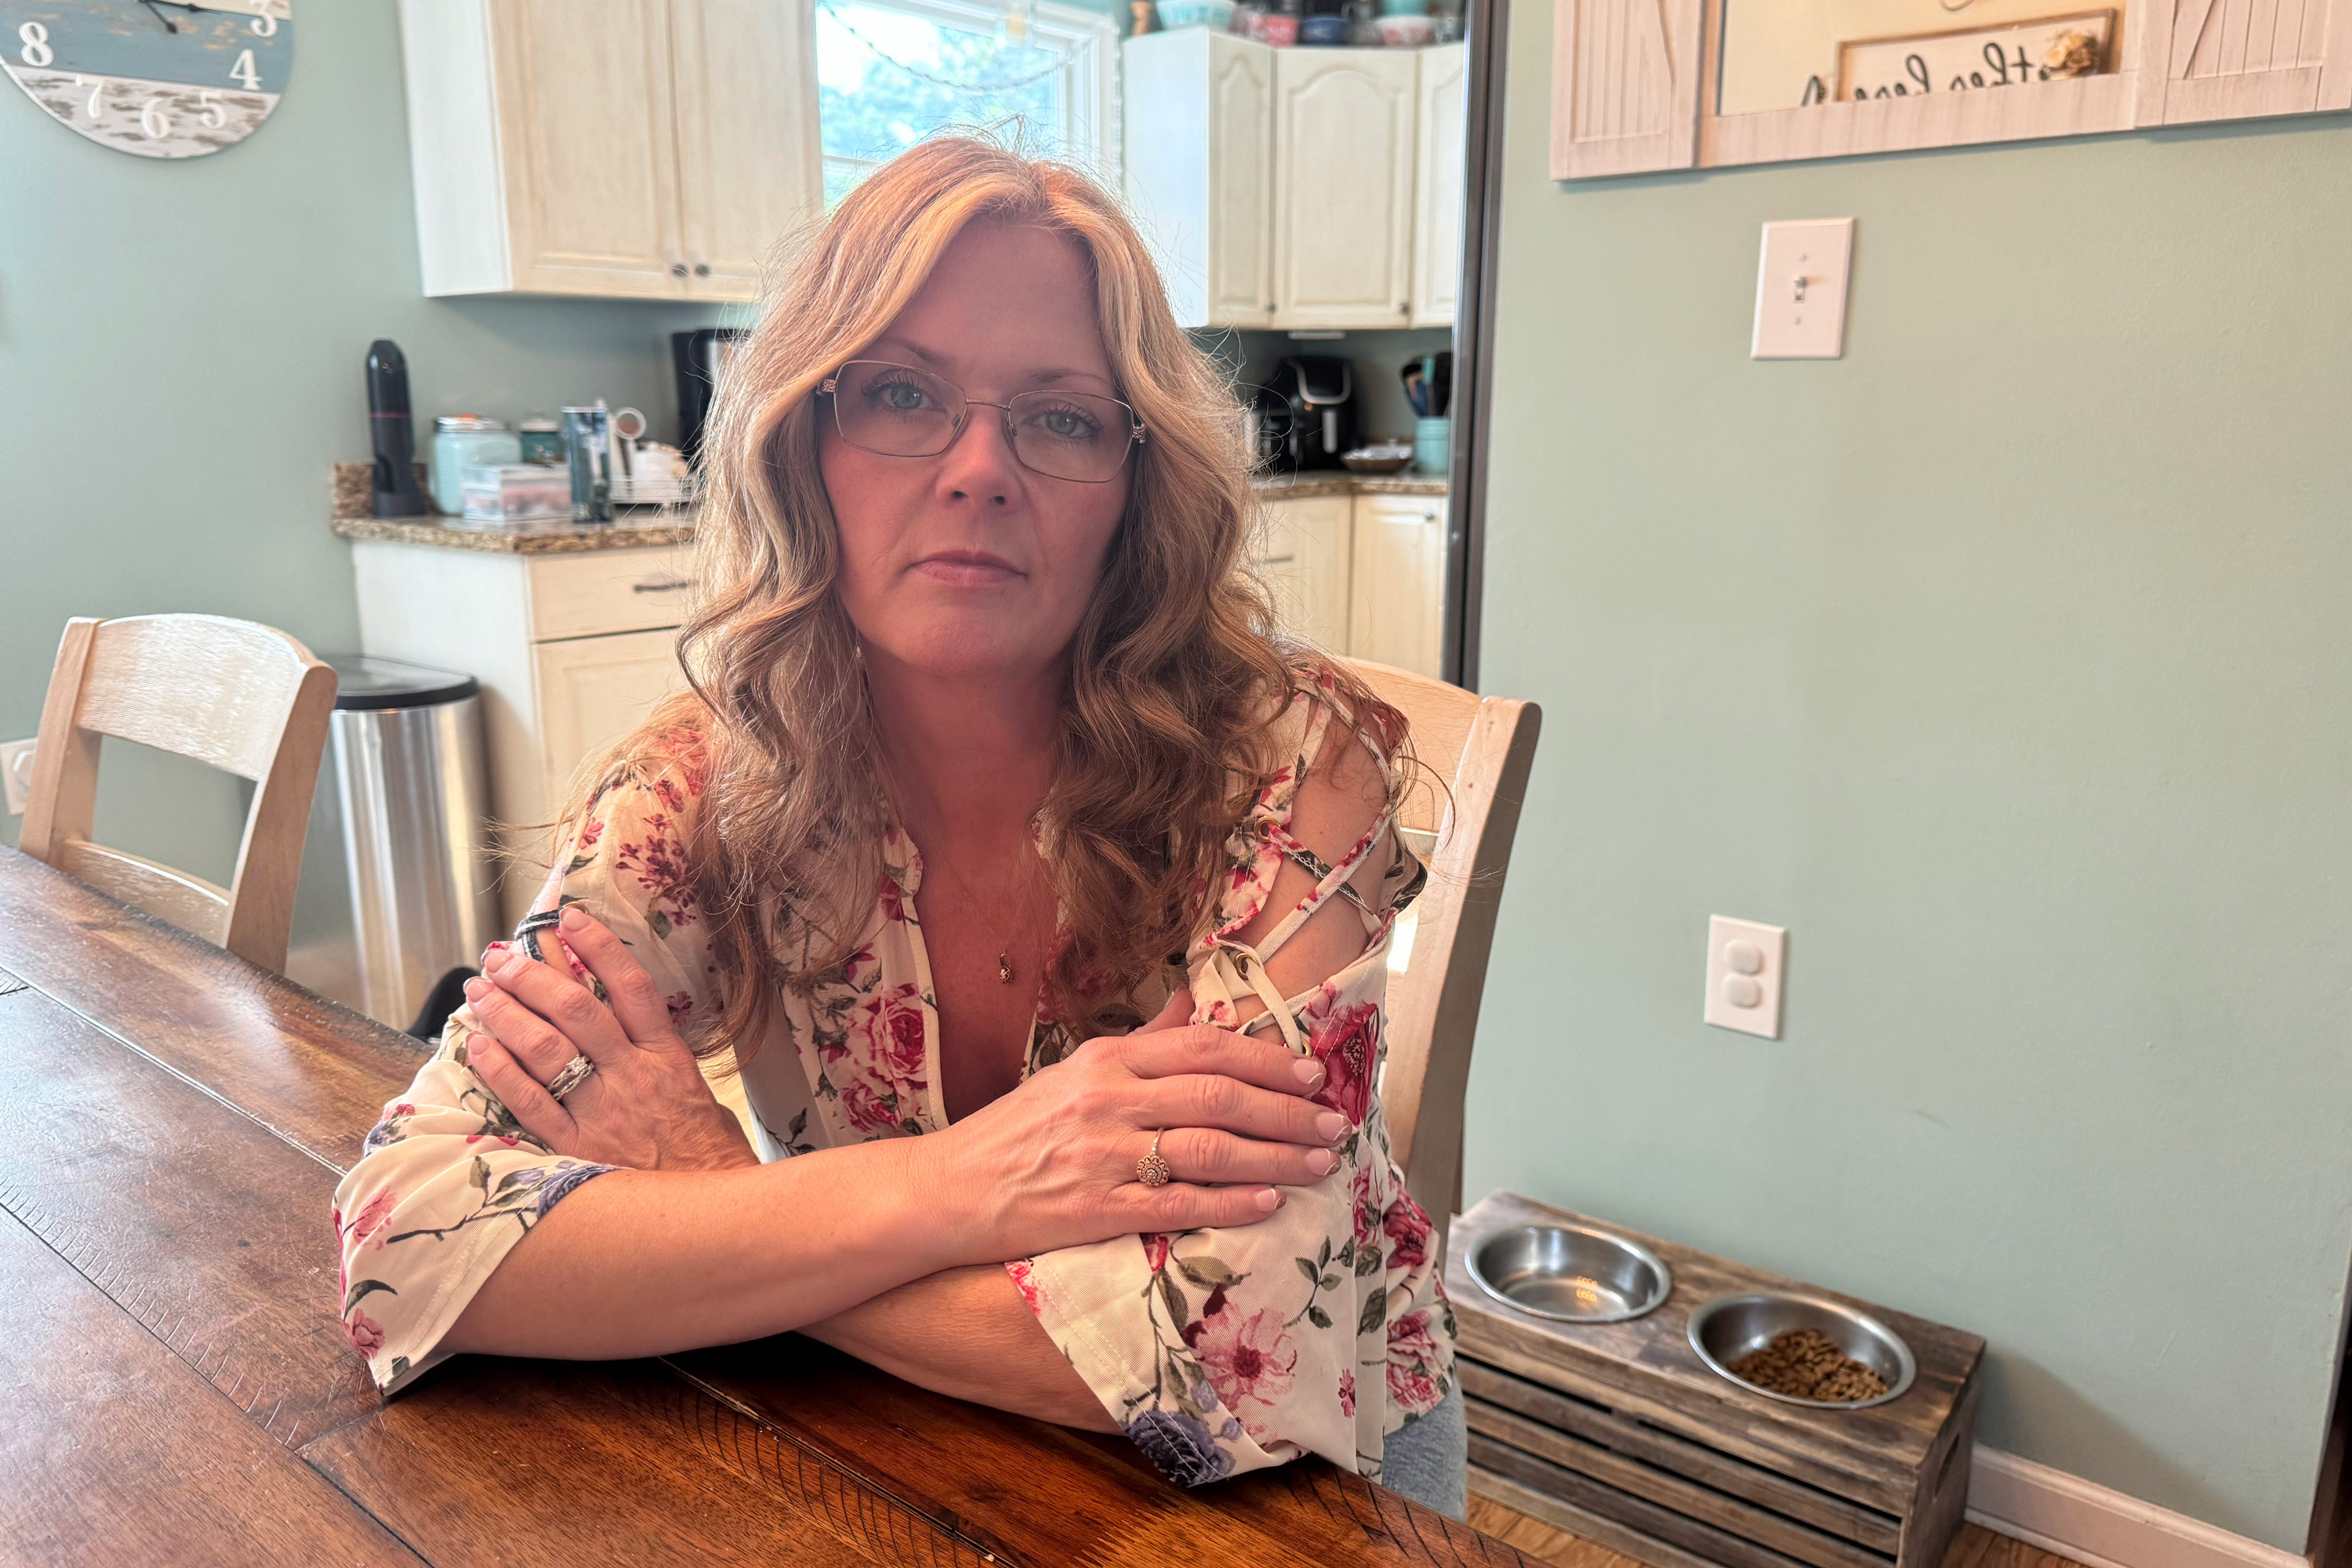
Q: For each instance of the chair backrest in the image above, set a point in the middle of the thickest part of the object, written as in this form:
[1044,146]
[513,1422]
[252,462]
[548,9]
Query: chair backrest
[1482,747]
[241,697]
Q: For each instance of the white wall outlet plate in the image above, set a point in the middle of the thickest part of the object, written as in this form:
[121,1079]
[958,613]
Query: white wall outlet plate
[1744,962]
[16,772]
[1801,290]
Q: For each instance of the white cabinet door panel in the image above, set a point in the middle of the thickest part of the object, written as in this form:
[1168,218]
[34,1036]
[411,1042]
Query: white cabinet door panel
[1241,180]
[747,134]
[589,145]
[1438,174]
[1396,611]
[594,691]
[1343,187]
[1304,563]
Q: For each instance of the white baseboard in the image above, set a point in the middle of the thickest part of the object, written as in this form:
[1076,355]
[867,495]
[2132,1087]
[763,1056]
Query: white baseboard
[2099,1527]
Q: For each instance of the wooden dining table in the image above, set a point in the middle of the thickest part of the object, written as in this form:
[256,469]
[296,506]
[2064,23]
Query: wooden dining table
[175,1387]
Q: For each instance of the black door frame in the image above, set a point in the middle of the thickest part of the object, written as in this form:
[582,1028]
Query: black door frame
[1483,66]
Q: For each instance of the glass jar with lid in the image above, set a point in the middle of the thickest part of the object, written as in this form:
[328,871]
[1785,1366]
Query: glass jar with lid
[462,441]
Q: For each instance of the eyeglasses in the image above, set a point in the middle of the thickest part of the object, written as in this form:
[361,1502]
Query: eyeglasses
[901,412]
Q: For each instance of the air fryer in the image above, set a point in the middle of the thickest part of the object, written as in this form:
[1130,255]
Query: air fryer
[1319,391]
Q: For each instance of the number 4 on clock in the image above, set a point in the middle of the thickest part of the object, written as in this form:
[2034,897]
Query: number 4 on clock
[246,72]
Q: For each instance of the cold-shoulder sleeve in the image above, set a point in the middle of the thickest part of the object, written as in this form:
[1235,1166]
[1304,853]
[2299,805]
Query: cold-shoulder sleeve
[447,1182]
[1323,1329]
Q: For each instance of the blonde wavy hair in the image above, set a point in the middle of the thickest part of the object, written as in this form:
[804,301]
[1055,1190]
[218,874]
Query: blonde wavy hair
[1175,673]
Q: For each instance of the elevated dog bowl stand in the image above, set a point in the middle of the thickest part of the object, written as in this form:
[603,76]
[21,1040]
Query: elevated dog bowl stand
[1618,1433]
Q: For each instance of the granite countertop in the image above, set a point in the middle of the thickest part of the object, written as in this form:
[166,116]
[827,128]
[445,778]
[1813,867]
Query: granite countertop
[638,526]
[656,528]
[1339,483]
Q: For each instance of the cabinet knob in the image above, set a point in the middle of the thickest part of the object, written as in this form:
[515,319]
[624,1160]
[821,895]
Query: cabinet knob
[678,268]
[702,269]
[1404,310]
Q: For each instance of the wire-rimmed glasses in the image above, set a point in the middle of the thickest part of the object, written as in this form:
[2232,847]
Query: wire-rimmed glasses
[900,411]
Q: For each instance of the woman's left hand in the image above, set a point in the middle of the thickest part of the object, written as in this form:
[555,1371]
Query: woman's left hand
[646,1108]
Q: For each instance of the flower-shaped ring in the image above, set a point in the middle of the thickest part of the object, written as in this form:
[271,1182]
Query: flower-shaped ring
[1154,1169]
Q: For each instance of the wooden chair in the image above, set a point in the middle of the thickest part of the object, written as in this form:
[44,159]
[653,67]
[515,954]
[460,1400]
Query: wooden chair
[1483,746]
[241,697]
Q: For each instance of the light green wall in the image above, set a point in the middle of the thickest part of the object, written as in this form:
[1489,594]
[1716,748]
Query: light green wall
[181,347]
[2005,663]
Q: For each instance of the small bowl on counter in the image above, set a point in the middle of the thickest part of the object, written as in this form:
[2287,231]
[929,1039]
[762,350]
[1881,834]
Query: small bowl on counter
[1323,32]
[1570,1273]
[1380,457]
[1728,1329]
[1406,32]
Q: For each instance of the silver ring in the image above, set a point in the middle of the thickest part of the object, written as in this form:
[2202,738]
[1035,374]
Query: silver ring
[571,1075]
[1154,1169]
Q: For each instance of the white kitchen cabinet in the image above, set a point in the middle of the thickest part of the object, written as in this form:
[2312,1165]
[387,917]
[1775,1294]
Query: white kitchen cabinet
[1440,123]
[1396,590]
[572,649]
[594,691]
[1198,135]
[631,149]
[1303,561]
[1343,187]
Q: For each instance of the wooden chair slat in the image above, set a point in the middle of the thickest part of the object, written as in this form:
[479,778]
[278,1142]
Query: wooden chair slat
[1482,747]
[201,687]
[233,695]
[196,906]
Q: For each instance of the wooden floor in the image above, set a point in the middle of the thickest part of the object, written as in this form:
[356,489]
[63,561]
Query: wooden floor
[1974,1548]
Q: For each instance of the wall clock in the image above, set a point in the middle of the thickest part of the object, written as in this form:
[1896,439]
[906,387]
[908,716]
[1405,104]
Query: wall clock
[161,78]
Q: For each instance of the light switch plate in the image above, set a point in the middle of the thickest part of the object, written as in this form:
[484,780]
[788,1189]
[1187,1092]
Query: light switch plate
[1801,290]
[1744,962]
[16,772]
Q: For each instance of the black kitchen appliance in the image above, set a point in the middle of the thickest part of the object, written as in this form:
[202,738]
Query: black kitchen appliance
[393,429]
[699,357]
[1317,391]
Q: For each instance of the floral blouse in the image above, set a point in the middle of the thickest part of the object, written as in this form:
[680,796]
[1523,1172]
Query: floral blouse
[1321,1329]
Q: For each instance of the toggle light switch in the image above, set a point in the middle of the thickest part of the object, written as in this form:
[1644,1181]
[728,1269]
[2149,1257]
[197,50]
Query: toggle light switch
[1744,960]
[1801,290]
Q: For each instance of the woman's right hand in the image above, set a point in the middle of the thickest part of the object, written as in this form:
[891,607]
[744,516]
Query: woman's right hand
[1052,1163]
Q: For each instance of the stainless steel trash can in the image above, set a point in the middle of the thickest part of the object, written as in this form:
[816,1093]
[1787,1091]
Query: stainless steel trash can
[415,793]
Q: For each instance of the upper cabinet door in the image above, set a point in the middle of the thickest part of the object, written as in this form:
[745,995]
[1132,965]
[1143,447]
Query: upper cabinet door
[1438,173]
[1198,146]
[590,160]
[748,170]
[1625,85]
[2231,60]
[1343,187]
[1240,237]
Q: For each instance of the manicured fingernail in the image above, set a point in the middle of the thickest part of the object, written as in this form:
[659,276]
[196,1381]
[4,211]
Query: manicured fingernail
[1309,1071]
[1269,1199]
[1322,1162]
[475,989]
[1330,1125]
[574,918]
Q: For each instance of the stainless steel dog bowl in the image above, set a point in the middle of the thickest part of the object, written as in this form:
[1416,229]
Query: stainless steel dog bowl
[1570,1273]
[1727,1328]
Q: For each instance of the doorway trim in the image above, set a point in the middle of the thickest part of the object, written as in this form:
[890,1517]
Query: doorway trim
[1484,69]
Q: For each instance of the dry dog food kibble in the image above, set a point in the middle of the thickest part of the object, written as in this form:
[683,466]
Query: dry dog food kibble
[1804,1364]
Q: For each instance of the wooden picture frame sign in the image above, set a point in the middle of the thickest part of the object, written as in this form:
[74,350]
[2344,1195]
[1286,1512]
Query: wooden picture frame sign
[1637,85]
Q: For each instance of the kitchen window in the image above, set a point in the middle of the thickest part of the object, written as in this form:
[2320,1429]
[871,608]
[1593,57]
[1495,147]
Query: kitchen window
[892,72]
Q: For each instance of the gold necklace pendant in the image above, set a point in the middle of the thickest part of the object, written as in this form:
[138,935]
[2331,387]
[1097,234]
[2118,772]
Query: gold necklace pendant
[1004,968]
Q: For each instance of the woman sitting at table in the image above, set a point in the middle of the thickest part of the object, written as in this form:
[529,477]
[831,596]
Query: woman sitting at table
[1029,895]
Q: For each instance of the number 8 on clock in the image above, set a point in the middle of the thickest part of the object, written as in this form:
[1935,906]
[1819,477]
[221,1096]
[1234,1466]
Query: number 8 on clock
[156,79]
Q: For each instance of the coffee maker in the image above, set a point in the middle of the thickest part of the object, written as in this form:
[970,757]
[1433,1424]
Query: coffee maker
[1306,416]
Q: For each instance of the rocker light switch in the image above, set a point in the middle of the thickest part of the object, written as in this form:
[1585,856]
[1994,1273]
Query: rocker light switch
[1743,975]
[1801,290]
